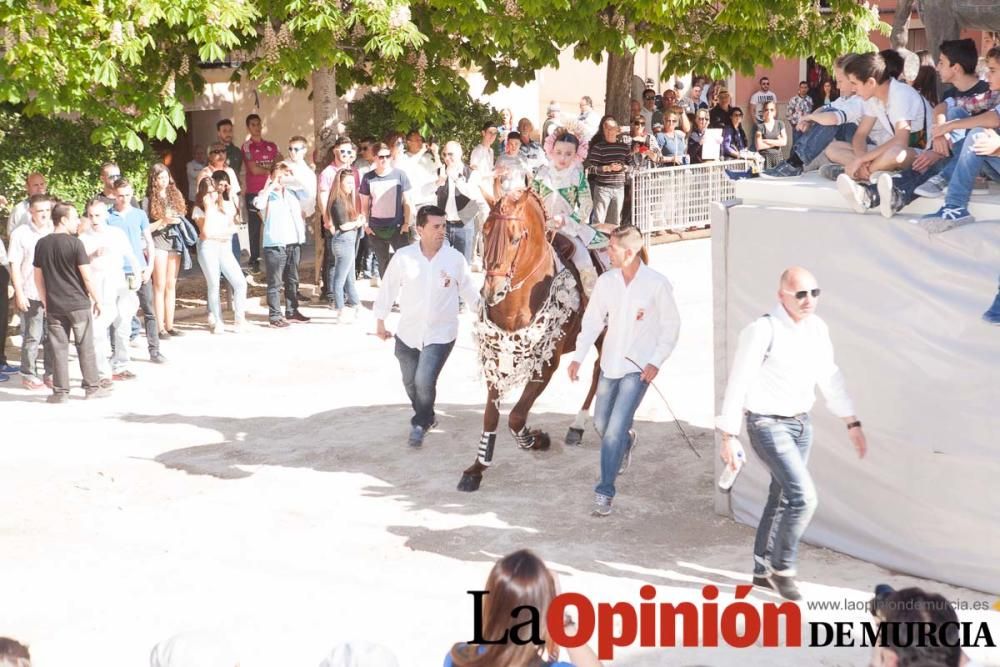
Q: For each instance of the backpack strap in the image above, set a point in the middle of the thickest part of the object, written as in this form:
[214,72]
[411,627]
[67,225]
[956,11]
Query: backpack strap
[770,344]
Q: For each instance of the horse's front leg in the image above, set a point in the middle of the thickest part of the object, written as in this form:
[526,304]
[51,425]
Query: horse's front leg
[472,476]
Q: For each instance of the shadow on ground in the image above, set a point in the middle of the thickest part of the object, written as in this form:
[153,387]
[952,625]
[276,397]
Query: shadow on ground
[540,500]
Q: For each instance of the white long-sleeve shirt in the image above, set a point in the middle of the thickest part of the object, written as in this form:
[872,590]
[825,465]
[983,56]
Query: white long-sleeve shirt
[642,317]
[801,358]
[428,291]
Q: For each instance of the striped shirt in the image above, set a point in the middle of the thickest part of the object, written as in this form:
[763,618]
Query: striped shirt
[603,154]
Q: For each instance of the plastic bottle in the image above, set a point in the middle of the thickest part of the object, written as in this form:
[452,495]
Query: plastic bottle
[729,475]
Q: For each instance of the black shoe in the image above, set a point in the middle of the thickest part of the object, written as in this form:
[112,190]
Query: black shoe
[157,358]
[762,582]
[163,335]
[785,586]
[278,324]
[58,398]
[175,333]
[297,317]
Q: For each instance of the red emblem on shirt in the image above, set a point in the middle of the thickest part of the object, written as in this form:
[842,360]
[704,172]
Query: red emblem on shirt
[640,314]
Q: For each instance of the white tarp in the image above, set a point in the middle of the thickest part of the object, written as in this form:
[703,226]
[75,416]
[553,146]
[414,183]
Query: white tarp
[903,308]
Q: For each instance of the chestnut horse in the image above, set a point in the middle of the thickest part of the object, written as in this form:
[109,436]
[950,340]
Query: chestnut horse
[520,270]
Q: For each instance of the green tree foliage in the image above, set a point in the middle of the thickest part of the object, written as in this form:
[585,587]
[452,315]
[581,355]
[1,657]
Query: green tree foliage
[130,64]
[61,150]
[376,114]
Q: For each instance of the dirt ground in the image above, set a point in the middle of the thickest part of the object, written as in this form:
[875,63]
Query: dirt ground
[260,485]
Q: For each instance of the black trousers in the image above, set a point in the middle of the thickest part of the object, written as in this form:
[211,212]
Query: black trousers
[381,248]
[81,324]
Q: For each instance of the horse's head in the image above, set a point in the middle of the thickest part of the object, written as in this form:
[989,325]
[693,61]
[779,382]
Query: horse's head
[513,243]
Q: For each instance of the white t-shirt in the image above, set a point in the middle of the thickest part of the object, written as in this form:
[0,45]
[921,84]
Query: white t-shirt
[759,99]
[905,104]
[217,225]
[108,267]
[482,159]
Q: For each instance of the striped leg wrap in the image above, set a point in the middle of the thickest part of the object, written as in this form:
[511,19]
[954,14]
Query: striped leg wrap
[524,438]
[486,443]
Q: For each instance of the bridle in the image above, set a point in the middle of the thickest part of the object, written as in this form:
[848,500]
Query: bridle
[508,285]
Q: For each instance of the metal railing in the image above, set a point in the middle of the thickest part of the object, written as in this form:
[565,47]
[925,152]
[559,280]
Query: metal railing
[679,198]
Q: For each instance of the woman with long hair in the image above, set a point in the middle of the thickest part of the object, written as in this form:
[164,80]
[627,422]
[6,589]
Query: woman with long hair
[825,94]
[216,220]
[518,580]
[165,207]
[926,84]
[345,223]
[734,139]
[607,164]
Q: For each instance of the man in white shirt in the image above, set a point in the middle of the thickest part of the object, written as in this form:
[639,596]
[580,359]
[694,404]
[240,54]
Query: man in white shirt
[428,277]
[780,359]
[642,327]
[20,215]
[421,165]
[482,157]
[760,98]
[588,116]
[108,248]
[193,168]
[26,297]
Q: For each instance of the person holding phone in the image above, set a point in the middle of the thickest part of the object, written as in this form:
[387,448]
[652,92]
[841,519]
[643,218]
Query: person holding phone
[606,163]
[345,223]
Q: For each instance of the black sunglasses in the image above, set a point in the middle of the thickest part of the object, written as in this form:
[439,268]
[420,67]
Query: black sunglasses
[380,156]
[801,294]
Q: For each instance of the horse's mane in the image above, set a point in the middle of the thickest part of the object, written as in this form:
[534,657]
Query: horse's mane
[512,202]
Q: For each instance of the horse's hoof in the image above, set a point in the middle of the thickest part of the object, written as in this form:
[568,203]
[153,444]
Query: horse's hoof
[469,482]
[574,437]
[541,441]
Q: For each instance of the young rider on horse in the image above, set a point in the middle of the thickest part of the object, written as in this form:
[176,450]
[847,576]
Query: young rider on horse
[562,185]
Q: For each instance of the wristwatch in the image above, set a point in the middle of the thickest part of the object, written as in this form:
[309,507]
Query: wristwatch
[854,424]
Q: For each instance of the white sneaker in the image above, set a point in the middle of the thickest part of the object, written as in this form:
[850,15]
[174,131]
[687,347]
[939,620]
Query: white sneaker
[933,188]
[217,328]
[374,281]
[856,194]
[349,315]
[240,326]
[338,316]
[211,320]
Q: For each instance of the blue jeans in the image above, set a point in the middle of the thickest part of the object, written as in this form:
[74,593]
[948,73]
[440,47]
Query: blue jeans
[460,236]
[420,369]
[814,141]
[783,445]
[968,165]
[617,401]
[340,277]
[215,258]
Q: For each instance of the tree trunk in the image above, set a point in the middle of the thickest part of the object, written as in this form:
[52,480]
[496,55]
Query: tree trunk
[618,91]
[901,25]
[325,120]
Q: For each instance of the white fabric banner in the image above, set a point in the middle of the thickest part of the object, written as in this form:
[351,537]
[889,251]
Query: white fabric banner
[904,311]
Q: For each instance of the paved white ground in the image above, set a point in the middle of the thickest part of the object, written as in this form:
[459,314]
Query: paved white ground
[260,484]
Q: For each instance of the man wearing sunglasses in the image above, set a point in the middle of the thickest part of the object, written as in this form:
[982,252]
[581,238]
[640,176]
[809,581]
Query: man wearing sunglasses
[384,201]
[780,360]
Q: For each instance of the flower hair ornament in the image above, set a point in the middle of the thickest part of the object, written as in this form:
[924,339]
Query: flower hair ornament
[575,128]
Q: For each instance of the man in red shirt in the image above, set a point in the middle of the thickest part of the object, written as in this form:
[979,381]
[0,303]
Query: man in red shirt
[258,157]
